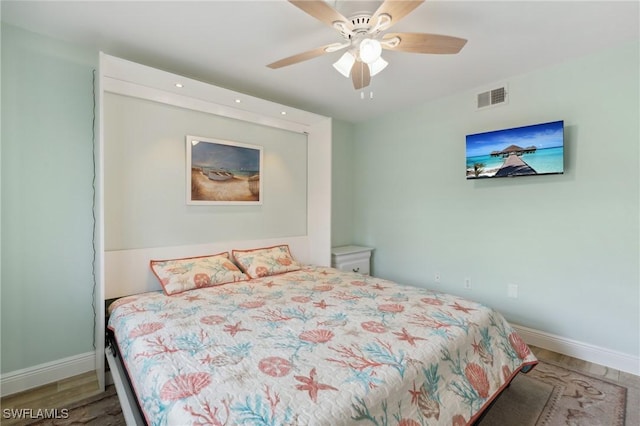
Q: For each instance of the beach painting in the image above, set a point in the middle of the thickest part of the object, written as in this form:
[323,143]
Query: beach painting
[530,150]
[223,172]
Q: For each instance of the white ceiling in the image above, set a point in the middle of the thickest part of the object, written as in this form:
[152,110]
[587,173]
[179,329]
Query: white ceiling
[229,43]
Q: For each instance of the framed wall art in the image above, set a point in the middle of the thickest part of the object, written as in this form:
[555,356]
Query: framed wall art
[223,172]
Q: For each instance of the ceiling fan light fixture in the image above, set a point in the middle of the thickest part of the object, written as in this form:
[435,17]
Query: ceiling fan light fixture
[344,64]
[370,50]
[377,66]
[363,41]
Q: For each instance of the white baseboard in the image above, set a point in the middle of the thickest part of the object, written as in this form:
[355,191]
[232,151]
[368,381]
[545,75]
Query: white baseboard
[28,378]
[585,351]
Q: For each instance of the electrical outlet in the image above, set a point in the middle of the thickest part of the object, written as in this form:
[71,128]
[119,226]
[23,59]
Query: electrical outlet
[467,283]
[512,291]
[437,277]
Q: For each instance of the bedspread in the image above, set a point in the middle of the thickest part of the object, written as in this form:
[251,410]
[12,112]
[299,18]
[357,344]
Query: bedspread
[315,347]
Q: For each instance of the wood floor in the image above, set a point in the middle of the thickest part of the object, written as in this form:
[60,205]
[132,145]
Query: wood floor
[57,395]
[65,392]
[591,369]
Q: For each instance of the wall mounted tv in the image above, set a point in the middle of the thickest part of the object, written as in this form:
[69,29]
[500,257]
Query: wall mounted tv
[537,149]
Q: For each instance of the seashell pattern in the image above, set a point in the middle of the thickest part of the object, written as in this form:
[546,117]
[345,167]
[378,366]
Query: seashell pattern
[146,328]
[184,386]
[391,308]
[518,345]
[477,378]
[317,336]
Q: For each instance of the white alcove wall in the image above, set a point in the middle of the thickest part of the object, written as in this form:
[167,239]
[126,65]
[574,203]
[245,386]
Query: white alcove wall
[126,271]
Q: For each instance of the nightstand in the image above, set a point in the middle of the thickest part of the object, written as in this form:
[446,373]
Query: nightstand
[352,259]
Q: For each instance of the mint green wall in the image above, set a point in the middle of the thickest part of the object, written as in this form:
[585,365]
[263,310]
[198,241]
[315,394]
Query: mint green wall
[47,227]
[570,242]
[342,183]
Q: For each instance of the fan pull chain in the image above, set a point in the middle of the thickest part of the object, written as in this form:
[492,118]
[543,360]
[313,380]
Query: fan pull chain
[370,95]
[362,79]
[362,91]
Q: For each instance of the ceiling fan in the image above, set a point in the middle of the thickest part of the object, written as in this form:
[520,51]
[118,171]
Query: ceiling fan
[363,39]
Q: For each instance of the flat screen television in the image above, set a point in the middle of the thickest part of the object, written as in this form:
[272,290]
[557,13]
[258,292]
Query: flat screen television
[537,149]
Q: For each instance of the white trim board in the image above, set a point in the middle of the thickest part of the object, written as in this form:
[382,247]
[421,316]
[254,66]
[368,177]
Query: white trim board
[125,394]
[32,377]
[131,79]
[584,351]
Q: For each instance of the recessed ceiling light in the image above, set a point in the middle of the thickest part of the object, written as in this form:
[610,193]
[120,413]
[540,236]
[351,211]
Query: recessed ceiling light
[283,112]
[179,85]
[238,101]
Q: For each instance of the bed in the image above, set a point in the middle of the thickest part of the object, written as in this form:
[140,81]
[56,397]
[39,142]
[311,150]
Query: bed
[280,343]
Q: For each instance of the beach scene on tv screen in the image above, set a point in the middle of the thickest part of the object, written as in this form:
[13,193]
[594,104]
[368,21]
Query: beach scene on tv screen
[521,151]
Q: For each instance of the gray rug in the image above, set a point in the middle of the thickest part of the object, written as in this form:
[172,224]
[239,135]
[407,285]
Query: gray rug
[549,395]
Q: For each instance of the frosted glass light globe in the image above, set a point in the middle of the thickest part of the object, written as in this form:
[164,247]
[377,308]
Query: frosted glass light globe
[370,50]
[344,64]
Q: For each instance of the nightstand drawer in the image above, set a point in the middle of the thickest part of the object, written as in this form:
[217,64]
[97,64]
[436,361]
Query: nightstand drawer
[361,266]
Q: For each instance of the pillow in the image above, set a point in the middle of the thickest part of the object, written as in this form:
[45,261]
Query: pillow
[178,275]
[267,261]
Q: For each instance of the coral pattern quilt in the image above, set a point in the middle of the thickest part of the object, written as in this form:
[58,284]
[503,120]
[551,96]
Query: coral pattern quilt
[314,347]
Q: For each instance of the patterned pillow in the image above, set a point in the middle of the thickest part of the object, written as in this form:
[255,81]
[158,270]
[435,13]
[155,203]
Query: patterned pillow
[178,275]
[267,261]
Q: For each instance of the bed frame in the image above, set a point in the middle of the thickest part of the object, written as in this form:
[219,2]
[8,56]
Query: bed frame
[131,409]
[123,272]
[128,402]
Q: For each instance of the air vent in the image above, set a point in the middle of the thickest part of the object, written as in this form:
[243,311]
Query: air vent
[492,97]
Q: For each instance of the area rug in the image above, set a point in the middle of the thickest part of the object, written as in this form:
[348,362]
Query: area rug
[549,395]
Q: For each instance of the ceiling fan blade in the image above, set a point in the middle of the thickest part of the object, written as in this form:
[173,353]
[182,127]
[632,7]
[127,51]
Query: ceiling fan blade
[310,54]
[360,75]
[321,10]
[423,43]
[396,9]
